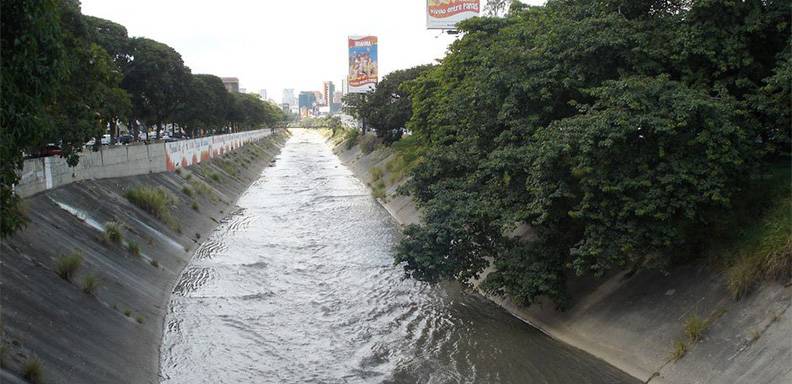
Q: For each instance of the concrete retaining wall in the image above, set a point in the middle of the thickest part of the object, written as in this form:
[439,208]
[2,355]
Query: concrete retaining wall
[45,173]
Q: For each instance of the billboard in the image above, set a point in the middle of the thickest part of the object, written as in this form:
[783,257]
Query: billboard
[362,63]
[445,14]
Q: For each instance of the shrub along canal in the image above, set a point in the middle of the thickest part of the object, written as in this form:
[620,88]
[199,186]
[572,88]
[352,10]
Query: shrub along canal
[299,286]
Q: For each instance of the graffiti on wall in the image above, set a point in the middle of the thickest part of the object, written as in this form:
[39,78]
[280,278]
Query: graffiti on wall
[181,154]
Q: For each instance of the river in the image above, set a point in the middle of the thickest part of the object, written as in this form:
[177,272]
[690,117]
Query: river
[298,286]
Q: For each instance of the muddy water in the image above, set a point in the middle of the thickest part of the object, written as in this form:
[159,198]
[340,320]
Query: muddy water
[298,286]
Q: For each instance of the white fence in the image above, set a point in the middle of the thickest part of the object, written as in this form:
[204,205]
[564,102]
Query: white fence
[128,160]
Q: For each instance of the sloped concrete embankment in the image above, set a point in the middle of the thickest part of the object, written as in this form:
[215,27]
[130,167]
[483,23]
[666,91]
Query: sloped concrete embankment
[114,335]
[633,321]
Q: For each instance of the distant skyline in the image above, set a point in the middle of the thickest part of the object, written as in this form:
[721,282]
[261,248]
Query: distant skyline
[280,44]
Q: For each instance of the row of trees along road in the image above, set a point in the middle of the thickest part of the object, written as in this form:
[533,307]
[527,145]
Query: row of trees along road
[621,132]
[67,78]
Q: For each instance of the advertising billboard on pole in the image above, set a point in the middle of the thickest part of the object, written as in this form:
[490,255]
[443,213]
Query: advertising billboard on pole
[445,14]
[362,63]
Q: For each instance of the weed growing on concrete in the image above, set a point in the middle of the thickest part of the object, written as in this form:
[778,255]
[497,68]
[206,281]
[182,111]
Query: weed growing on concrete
[154,263]
[694,328]
[155,201]
[351,138]
[195,206]
[151,199]
[133,248]
[762,250]
[139,319]
[187,191]
[188,177]
[127,312]
[68,265]
[112,232]
[379,189]
[204,190]
[32,371]
[214,176]
[680,348]
[186,249]
[368,144]
[90,284]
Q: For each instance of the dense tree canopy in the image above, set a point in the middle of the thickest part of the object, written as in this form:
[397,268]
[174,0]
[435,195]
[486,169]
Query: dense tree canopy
[67,78]
[615,130]
[388,108]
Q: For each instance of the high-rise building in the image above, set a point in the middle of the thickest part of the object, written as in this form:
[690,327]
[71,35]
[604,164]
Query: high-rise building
[319,98]
[263,94]
[288,97]
[231,84]
[328,91]
[307,100]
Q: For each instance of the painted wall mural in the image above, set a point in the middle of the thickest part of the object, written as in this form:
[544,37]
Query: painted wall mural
[181,154]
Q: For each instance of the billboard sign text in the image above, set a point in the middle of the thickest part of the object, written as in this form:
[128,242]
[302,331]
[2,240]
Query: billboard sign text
[445,14]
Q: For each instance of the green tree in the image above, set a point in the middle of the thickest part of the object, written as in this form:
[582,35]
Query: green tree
[205,104]
[32,68]
[57,87]
[615,130]
[156,80]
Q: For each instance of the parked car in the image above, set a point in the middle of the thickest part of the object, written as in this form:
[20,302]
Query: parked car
[106,139]
[46,151]
[125,139]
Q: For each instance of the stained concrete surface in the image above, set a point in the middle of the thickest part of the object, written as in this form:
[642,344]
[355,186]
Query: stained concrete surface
[80,338]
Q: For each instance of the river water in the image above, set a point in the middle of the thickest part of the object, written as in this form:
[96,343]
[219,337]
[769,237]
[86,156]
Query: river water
[299,286]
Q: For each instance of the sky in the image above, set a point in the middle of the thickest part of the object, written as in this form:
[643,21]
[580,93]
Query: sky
[272,45]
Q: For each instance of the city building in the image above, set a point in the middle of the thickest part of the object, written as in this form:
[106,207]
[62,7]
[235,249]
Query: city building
[288,97]
[307,100]
[319,98]
[328,91]
[263,94]
[231,84]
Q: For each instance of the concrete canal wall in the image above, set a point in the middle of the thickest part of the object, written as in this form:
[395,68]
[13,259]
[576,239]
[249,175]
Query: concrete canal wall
[632,322]
[128,160]
[114,335]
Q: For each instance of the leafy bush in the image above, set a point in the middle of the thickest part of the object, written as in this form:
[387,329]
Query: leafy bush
[68,265]
[597,125]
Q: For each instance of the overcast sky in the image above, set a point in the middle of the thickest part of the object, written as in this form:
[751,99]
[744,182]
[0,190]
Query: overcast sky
[280,44]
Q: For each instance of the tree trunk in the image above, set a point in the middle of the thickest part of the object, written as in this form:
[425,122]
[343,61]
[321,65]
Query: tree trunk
[113,131]
[159,128]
